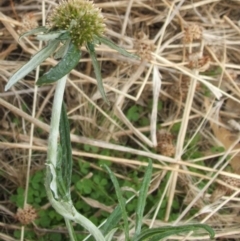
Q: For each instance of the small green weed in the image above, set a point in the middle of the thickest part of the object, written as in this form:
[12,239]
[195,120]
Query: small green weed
[134,113]
[36,194]
[37,197]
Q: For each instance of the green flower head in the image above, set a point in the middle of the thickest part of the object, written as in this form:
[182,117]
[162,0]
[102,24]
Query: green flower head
[72,24]
[81,18]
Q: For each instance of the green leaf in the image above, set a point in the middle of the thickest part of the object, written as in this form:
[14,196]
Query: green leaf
[61,187]
[62,50]
[68,62]
[112,221]
[121,201]
[34,31]
[109,236]
[66,151]
[112,45]
[156,234]
[133,113]
[64,36]
[54,236]
[142,198]
[97,71]
[85,186]
[36,60]
[50,35]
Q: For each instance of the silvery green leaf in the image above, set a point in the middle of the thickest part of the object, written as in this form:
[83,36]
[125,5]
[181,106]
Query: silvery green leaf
[36,60]
[97,70]
[62,50]
[155,234]
[68,62]
[112,45]
[50,35]
[109,236]
[64,36]
[34,31]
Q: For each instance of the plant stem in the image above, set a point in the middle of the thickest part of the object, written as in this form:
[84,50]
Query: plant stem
[70,230]
[64,208]
[53,137]
[55,121]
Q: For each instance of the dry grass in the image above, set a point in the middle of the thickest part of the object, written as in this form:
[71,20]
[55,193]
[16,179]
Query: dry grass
[190,61]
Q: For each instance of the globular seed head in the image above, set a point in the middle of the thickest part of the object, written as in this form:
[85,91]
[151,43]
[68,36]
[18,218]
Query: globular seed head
[81,17]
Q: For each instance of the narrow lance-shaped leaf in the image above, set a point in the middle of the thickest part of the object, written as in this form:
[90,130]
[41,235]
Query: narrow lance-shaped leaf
[109,236]
[60,184]
[97,71]
[36,60]
[142,198]
[64,36]
[50,35]
[66,162]
[156,234]
[121,201]
[61,52]
[34,31]
[68,62]
[112,45]
[112,220]
[111,223]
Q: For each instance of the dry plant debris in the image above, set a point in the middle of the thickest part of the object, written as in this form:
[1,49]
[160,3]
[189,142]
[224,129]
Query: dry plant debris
[190,50]
[165,143]
[26,215]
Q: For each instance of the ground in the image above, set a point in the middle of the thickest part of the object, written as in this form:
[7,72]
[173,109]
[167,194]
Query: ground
[178,106]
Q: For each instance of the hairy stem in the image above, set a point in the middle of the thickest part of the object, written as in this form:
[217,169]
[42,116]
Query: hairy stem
[64,208]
